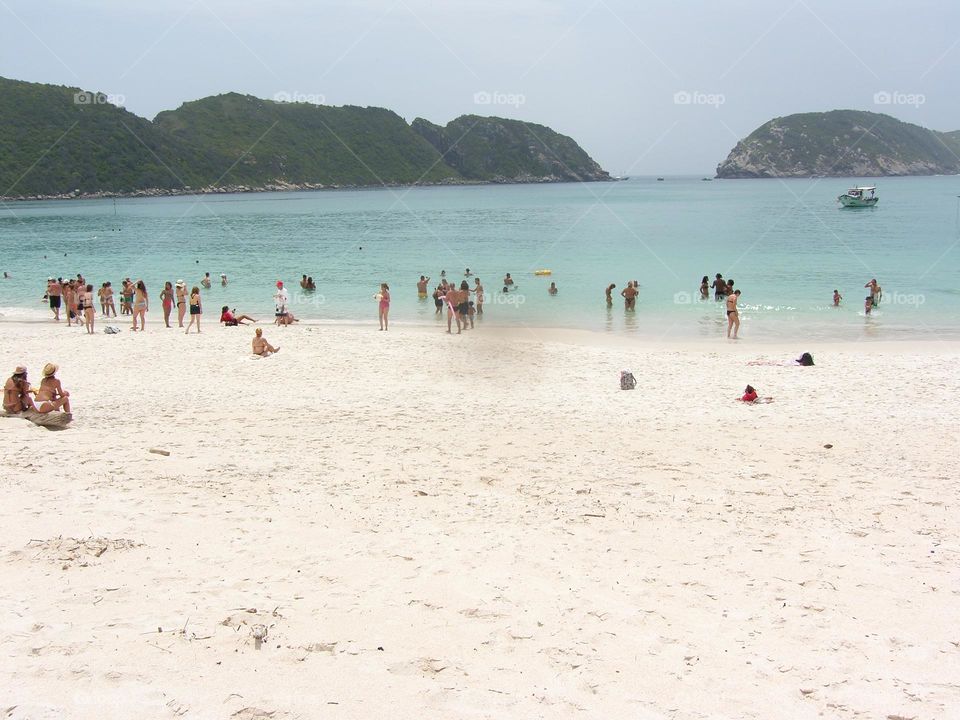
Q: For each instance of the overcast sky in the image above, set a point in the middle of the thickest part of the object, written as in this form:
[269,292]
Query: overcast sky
[645,87]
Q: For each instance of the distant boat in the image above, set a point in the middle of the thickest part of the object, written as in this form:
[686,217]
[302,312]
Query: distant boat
[659,179]
[857,197]
[707,179]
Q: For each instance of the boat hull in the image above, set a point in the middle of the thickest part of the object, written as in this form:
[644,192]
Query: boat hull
[855,202]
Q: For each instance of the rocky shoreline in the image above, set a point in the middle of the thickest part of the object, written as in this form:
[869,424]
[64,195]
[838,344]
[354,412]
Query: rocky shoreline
[281,186]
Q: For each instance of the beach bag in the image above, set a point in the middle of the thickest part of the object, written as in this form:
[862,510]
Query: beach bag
[627,380]
[806,359]
[110,330]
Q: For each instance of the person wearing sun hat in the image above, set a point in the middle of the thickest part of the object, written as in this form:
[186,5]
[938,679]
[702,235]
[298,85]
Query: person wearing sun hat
[181,301]
[16,392]
[51,395]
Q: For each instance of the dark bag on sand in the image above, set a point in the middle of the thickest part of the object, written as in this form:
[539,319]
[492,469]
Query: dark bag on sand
[627,380]
[806,359]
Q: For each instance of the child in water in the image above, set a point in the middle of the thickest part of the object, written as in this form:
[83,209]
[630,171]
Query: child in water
[837,297]
[868,305]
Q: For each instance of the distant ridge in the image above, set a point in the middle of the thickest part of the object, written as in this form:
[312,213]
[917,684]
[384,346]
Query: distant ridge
[842,143]
[58,141]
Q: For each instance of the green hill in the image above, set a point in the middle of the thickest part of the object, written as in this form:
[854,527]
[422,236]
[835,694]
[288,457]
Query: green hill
[501,150]
[57,140]
[305,143]
[842,143]
[62,141]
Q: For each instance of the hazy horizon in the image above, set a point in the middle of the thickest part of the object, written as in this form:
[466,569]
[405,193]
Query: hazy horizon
[666,90]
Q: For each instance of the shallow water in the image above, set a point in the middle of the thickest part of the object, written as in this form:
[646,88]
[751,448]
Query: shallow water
[786,243]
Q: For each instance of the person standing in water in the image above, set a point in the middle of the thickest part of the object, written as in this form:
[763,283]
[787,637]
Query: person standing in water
[422,287]
[609,293]
[478,290]
[552,289]
[733,315]
[384,306]
[705,288]
[206,281]
[719,288]
[837,297]
[629,295]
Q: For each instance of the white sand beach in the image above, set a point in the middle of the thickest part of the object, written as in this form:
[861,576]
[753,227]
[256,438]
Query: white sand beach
[482,526]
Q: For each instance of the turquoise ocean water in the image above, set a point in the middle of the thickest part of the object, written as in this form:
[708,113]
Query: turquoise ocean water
[786,244]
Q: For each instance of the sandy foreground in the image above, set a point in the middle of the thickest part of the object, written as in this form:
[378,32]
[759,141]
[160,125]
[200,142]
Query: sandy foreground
[482,526]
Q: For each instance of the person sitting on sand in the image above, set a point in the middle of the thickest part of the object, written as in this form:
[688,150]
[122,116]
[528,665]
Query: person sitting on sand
[16,392]
[261,347]
[51,395]
[229,319]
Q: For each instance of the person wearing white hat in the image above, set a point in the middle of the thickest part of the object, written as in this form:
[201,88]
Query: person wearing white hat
[51,395]
[223,279]
[16,392]
[181,301]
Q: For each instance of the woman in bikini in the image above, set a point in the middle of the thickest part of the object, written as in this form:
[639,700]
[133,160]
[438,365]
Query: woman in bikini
[733,316]
[108,299]
[181,301]
[102,297]
[705,288]
[140,305]
[195,309]
[166,301]
[478,289]
[452,300]
[87,300]
[384,306]
[51,395]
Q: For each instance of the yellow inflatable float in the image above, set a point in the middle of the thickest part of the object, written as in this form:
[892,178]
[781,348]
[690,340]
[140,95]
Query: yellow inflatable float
[543,272]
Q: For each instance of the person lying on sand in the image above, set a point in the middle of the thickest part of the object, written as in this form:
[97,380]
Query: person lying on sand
[750,396]
[805,360]
[51,395]
[261,347]
[16,392]
[228,318]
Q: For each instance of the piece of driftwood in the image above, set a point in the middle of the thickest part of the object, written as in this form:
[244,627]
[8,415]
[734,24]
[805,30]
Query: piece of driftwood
[50,420]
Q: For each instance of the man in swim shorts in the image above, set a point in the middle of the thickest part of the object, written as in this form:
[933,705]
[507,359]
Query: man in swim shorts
[54,293]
